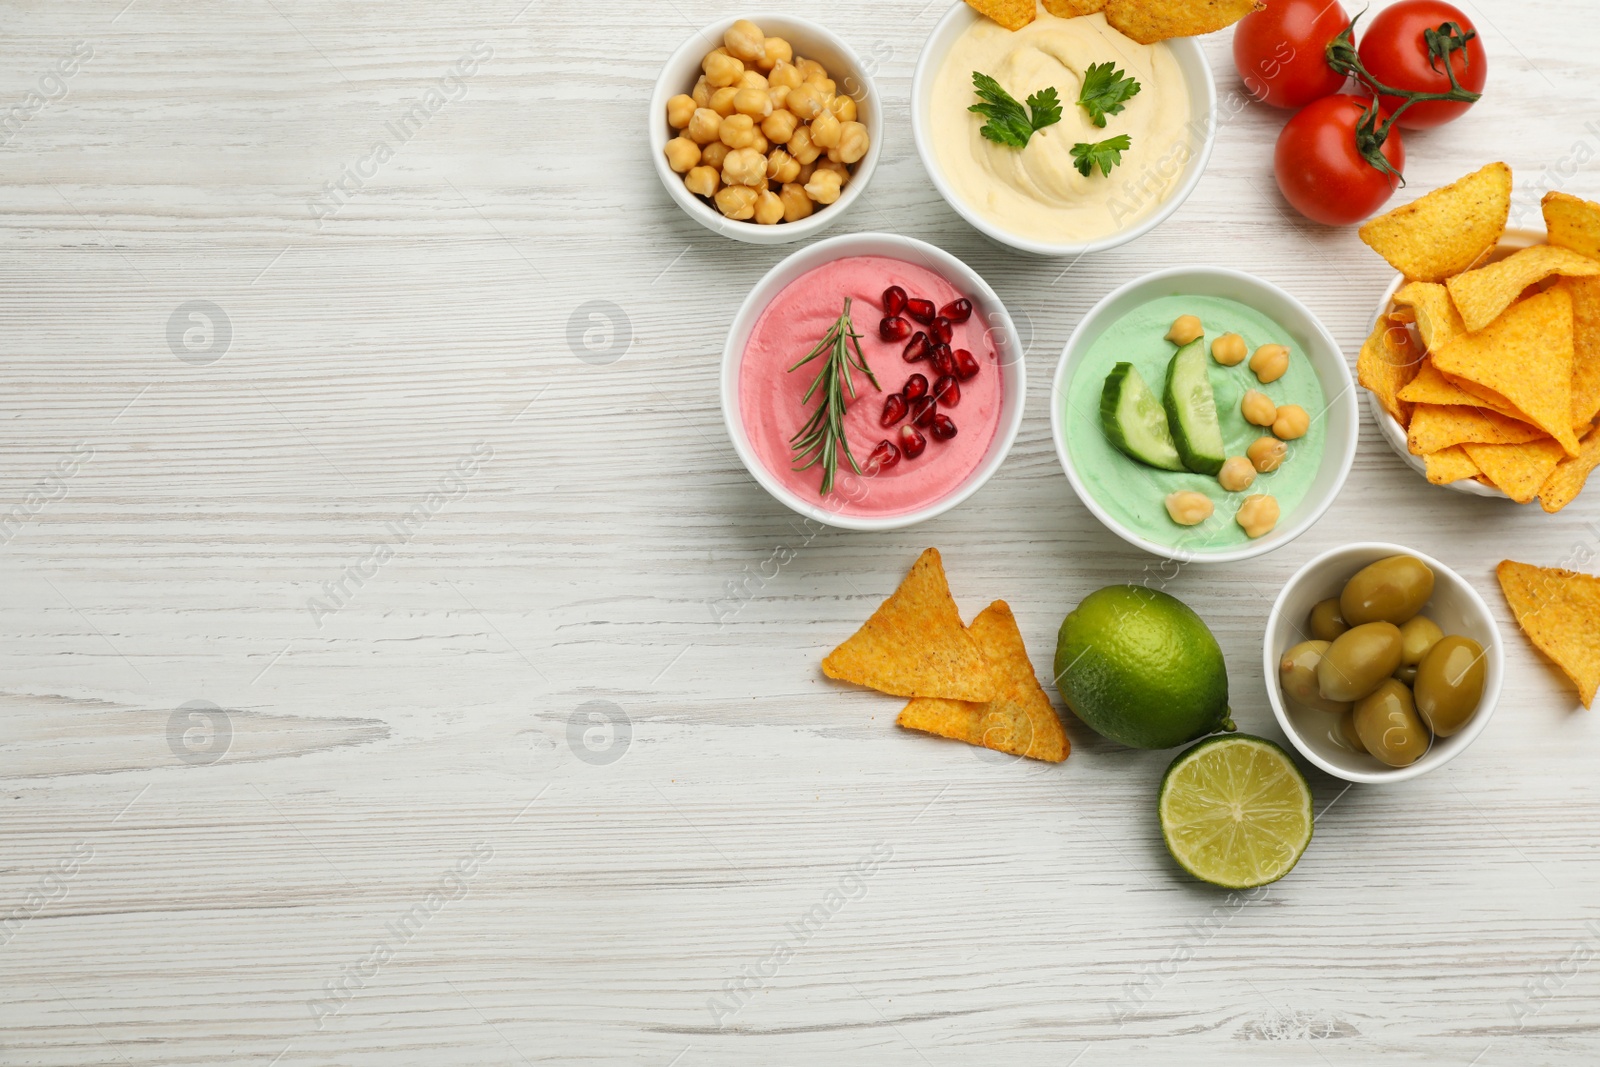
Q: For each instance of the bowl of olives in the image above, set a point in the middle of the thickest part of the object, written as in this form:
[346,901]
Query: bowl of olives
[1381,663]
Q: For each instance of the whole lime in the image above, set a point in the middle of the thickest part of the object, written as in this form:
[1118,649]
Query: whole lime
[1141,668]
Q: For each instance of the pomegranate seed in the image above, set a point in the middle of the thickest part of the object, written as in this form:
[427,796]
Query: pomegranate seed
[944,361]
[911,442]
[894,409]
[919,347]
[944,428]
[922,411]
[916,387]
[966,364]
[894,328]
[943,330]
[947,392]
[920,309]
[894,300]
[883,457]
[957,311]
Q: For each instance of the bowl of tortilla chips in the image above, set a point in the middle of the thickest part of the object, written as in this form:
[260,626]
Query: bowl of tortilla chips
[1483,366]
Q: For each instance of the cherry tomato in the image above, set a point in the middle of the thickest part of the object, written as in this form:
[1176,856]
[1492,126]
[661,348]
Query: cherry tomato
[1279,51]
[1320,167]
[1394,50]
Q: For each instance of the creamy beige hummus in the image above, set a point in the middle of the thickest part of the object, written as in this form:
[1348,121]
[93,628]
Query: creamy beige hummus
[1037,191]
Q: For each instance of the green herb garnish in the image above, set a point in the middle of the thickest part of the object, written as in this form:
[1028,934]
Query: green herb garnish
[1009,122]
[1103,154]
[1105,91]
[822,438]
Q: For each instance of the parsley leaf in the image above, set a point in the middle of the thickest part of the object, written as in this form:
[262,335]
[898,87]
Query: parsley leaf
[1103,154]
[1009,122]
[1105,90]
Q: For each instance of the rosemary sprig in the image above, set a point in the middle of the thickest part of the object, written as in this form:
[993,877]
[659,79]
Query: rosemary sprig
[822,438]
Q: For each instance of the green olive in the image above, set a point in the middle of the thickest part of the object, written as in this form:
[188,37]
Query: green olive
[1358,662]
[1450,684]
[1417,636]
[1297,671]
[1347,730]
[1326,622]
[1386,721]
[1405,674]
[1390,590]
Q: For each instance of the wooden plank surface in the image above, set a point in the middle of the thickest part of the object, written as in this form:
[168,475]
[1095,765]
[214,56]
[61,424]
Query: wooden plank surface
[557,774]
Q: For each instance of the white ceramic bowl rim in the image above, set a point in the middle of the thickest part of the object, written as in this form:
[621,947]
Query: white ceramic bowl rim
[986,301]
[1341,404]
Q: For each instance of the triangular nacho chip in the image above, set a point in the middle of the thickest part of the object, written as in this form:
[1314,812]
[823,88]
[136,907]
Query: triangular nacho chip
[1437,319]
[1572,222]
[1149,21]
[1559,610]
[1431,387]
[1523,361]
[1387,363]
[1019,720]
[1436,426]
[1566,481]
[1585,348]
[1483,295]
[1071,9]
[1012,14]
[914,645]
[1517,470]
[1444,232]
[1449,465]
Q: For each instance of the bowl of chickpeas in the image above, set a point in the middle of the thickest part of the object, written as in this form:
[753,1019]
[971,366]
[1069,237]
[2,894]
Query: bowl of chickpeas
[1381,662]
[765,128]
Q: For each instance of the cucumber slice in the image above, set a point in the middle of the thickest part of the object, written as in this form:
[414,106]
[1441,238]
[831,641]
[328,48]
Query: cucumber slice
[1192,410]
[1134,420]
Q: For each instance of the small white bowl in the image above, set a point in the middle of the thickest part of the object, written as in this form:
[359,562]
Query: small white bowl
[1203,115]
[1456,607]
[809,40]
[1307,337]
[1394,435]
[986,306]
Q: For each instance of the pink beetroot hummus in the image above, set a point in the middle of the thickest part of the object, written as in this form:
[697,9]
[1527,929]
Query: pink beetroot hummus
[769,394]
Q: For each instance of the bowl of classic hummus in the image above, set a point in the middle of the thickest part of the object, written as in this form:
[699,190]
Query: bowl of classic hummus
[949,433]
[1129,329]
[1034,198]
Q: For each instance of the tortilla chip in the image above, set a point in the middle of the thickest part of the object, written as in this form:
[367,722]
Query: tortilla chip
[1387,363]
[1449,465]
[1431,387]
[1572,222]
[1517,470]
[1522,363]
[1019,720]
[1444,232]
[1482,295]
[1438,322]
[1071,9]
[914,645]
[1566,481]
[1585,348]
[1149,21]
[1559,610]
[1012,14]
[1437,426]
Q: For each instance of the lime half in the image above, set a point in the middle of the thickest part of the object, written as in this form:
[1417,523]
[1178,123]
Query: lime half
[1235,811]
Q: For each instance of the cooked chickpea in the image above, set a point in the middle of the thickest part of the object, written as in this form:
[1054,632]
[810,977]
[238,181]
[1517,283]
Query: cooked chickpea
[810,69]
[1229,350]
[744,40]
[779,126]
[825,130]
[737,131]
[1189,508]
[745,166]
[702,181]
[844,107]
[785,74]
[1185,328]
[714,153]
[737,202]
[825,85]
[838,168]
[1258,515]
[682,154]
[1258,408]
[704,126]
[777,51]
[806,171]
[722,100]
[769,209]
[852,142]
[721,69]
[800,146]
[751,80]
[806,101]
[1292,422]
[759,142]
[782,167]
[680,109]
[1267,454]
[823,186]
[702,93]
[796,204]
[779,95]
[1236,474]
[1270,363]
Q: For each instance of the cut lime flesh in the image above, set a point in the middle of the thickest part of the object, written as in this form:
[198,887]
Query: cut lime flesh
[1235,811]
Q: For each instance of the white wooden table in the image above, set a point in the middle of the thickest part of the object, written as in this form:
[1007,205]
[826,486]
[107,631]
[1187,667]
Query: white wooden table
[393,832]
